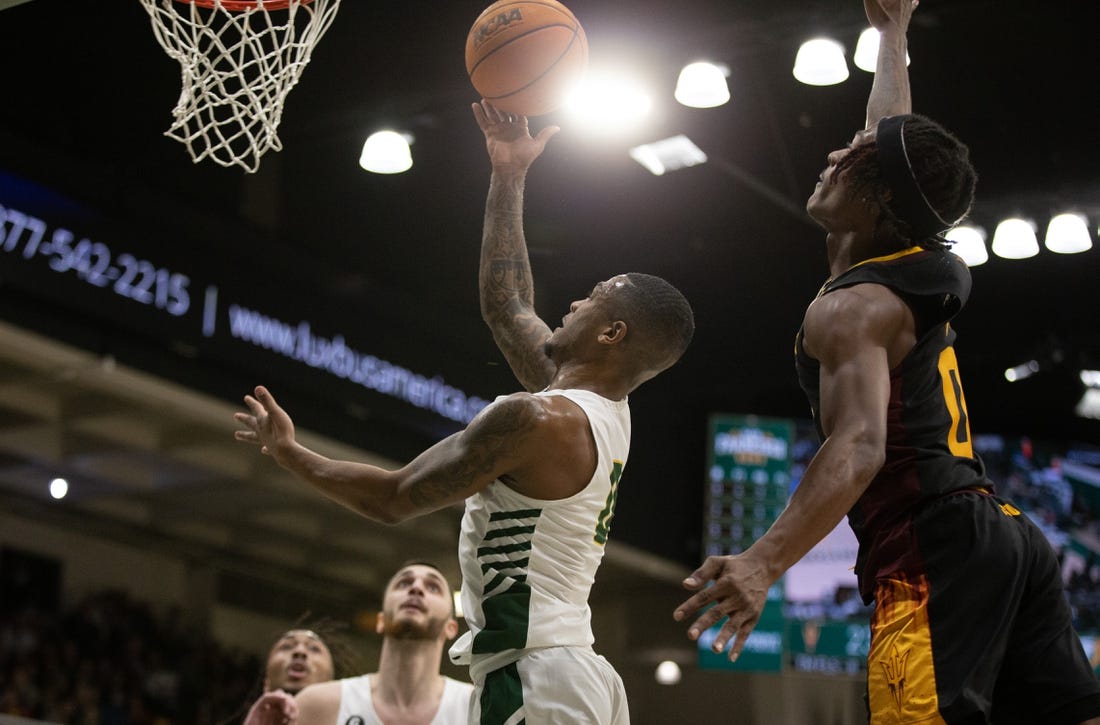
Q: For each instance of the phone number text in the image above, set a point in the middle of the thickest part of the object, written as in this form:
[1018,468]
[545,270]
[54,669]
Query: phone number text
[93,262]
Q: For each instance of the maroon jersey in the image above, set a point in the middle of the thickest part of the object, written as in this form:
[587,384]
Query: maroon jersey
[928,446]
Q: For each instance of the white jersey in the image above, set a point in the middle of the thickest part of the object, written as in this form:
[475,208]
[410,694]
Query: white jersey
[357,708]
[528,564]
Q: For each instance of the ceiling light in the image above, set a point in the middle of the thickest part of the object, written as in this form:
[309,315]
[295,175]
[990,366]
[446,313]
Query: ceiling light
[820,62]
[1091,378]
[969,244]
[59,488]
[1022,372]
[866,55]
[1089,405]
[387,152]
[668,154]
[1015,239]
[1068,234]
[702,85]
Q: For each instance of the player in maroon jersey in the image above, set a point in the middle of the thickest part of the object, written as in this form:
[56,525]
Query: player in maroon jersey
[971,624]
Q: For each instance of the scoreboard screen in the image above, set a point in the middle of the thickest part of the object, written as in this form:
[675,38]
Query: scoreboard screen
[813,620]
[748,480]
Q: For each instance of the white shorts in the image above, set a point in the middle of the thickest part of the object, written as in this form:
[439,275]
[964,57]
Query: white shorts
[552,686]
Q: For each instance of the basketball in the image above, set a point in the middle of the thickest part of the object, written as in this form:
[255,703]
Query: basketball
[523,55]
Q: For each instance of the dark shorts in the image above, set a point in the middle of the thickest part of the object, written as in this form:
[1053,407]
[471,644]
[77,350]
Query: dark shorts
[982,632]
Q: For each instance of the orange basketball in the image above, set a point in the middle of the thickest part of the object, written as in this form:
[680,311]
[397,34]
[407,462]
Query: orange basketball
[523,55]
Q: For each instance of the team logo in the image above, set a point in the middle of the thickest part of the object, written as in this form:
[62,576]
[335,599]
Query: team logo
[894,668]
[495,24]
[355,720]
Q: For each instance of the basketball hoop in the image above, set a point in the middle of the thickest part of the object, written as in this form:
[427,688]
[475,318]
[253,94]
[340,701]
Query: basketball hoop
[239,59]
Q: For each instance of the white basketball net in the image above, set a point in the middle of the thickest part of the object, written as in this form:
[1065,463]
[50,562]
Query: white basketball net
[237,67]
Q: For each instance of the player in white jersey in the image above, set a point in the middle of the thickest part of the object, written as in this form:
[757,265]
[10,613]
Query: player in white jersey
[528,565]
[358,706]
[416,622]
[556,450]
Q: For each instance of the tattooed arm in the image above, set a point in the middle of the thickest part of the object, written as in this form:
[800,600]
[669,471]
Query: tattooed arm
[507,440]
[507,290]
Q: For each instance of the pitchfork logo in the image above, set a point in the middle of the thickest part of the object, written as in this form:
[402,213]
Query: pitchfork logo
[894,667]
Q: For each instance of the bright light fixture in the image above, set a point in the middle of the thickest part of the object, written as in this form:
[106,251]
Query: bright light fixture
[607,102]
[1068,234]
[1089,405]
[702,85]
[668,154]
[386,152]
[668,673]
[59,488]
[866,55]
[1015,239]
[820,62]
[1022,371]
[969,244]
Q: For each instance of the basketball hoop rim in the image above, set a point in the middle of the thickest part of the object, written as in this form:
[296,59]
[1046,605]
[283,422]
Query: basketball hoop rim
[242,5]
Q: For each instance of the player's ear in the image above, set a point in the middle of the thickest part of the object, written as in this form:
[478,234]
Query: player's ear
[614,333]
[380,623]
[451,628]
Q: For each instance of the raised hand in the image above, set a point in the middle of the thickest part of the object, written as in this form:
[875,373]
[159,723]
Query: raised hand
[273,708]
[508,139]
[884,14]
[268,425]
[739,592]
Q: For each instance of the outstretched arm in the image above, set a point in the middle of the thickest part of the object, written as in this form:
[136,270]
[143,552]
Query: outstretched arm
[890,94]
[507,289]
[851,330]
[498,442]
[318,704]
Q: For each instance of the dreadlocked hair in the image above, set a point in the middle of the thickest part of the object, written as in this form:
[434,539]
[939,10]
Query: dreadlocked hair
[334,633]
[941,165]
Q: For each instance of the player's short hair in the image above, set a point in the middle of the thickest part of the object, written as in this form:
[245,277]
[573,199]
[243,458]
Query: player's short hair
[658,312]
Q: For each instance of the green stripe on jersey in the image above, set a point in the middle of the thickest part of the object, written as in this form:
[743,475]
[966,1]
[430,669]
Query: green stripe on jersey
[501,696]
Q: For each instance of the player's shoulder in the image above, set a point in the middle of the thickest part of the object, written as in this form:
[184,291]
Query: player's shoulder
[860,301]
[543,417]
[852,316]
[513,413]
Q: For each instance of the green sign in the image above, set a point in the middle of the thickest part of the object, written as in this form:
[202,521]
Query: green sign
[763,651]
[749,462]
[827,647]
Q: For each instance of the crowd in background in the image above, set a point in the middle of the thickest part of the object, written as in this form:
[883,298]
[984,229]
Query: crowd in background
[111,660]
[1030,474]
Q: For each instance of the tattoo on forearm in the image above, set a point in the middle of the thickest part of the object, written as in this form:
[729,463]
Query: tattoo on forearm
[508,281]
[507,288]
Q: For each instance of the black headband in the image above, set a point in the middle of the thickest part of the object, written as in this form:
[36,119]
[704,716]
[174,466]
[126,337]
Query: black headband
[907,201]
